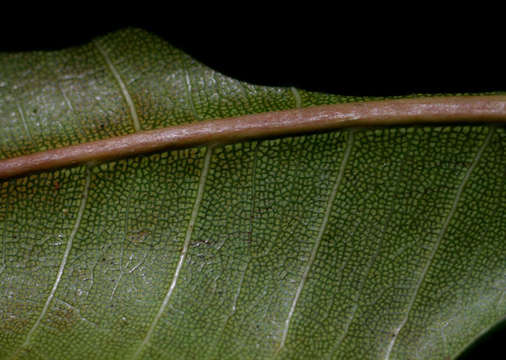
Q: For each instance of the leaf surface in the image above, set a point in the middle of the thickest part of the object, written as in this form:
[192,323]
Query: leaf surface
[366,243]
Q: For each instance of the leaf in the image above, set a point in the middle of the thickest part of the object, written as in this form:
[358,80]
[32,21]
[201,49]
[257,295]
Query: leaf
[369,242]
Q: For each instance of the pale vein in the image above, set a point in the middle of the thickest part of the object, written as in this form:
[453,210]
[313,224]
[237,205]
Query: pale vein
[318,239]
[2,268]
[84,200]
[296,95]
[189,232]
[67,100]
[25,125]
[124,90]
[188,89]
[355,306]
[442,232]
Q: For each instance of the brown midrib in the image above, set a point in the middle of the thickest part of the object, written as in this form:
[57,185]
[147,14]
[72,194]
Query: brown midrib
[472,109]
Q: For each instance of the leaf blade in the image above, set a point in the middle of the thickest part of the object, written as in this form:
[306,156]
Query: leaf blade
[408,196]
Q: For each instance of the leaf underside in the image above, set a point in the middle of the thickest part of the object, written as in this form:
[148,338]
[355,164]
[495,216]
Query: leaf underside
[367,243]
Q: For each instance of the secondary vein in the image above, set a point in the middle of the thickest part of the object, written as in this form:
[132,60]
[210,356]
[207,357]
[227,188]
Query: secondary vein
[124,90]
[188,90]
[321,231]
[84,200]
[439,237]
[25,125]
[296,96]
[182,257]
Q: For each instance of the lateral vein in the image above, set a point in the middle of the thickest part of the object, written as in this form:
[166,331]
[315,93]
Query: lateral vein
[188,90]
[184,251]
[321,231]
[296,95]
[84,200]
[25,125]
[439,237]
[122,85]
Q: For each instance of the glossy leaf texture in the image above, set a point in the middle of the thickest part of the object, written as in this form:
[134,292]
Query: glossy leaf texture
[362,243]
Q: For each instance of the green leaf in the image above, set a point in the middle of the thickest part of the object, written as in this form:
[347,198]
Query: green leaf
[359,243]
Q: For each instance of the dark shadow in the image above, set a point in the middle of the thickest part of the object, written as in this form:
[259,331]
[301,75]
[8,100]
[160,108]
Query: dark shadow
[490,345]
[378,65]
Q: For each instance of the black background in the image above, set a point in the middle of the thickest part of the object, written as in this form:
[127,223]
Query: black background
[344,55]
[342,52]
